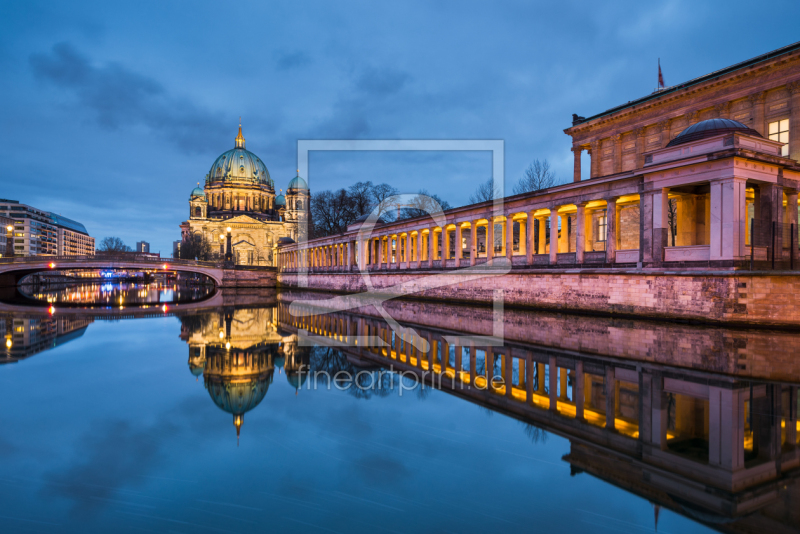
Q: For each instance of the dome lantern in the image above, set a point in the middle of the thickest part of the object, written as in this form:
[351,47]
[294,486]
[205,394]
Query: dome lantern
[240,137]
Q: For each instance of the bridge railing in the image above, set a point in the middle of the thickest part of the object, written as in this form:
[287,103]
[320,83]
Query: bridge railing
[135,258]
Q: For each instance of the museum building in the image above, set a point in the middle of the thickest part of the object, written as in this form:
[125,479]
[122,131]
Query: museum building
[701,175]
[238,197]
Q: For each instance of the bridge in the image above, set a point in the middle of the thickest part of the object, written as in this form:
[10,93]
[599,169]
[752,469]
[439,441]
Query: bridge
[224,274]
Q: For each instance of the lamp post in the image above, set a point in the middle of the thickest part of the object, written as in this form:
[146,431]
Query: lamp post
[221,245]
[228,252]
[9,241]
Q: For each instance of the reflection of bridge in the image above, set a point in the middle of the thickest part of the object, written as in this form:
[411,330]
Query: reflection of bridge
[12,270]
[718,448]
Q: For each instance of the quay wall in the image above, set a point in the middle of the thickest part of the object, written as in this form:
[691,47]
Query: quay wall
[732,298]
[249,278]
[742,352]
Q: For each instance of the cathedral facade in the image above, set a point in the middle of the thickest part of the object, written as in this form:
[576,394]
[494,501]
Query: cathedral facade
[239,197]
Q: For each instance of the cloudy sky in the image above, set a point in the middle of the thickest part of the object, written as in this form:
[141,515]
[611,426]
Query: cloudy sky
[112,111]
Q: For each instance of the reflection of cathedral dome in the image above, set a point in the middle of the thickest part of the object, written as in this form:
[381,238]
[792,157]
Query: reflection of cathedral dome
[296,379]
[196,370]
[240,165]
[239,397]
[280,361]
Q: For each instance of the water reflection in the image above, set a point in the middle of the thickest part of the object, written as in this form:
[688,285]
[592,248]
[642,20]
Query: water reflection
[117,293]
[702,421]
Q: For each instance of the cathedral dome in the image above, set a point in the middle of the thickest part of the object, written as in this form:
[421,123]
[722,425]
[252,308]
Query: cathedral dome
[710,128]
[197,193]
[280,201]
[298,183]
[240,165]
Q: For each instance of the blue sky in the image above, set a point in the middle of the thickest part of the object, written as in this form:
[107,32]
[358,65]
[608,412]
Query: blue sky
[113,111]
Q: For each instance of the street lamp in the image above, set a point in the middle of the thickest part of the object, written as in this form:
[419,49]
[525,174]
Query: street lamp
[221,245]
[228,252]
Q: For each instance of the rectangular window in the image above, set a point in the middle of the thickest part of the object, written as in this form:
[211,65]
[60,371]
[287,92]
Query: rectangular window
[779,131]
[602,227]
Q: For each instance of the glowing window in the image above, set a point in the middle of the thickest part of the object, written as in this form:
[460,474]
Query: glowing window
[779,131]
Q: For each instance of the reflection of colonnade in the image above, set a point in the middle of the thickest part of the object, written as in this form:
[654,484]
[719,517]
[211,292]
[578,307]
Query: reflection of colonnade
[728,446]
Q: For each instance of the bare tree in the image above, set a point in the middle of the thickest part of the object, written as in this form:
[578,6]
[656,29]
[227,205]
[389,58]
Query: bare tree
[113,244]
[672,219]
[423,204]
[361,196]
[196,247]
[382,194]
[537,176]
[486,191]
[332,211]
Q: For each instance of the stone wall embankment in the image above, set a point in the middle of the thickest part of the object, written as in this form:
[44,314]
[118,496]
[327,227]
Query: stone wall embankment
[735,298]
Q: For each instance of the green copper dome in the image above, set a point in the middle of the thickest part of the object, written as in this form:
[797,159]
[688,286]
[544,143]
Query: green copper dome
[197,193]
[298,183]
[240,165]
[280,201]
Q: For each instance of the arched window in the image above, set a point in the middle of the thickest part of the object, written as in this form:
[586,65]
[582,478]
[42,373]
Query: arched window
[197,211]
[299,204]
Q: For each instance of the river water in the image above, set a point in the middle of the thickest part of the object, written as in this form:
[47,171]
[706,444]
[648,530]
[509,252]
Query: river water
[259,412]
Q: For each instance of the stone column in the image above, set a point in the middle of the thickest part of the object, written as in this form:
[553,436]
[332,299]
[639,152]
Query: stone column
[576,173]
[757,103]
[431,246]
[473,236]
[612,218]
[509,237]
[407,245]
[664,127]
[660,223]
[541,245]
[640,140]
[791,207]
[553,235]
[794,121]
[490,239]
[458,249]
[769,208]
[580,233]
[617,152]
[529,235]
[727,206]
[594,151]
[458,352]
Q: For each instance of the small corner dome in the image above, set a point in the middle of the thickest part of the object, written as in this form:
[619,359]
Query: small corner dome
[197,192]
[710,128]
[298,183]
[285,241]
[280,200]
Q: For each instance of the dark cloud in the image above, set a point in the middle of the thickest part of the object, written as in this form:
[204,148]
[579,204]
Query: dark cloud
[111,458]
[118,98]
[381,469]
[291,60]
[381,82]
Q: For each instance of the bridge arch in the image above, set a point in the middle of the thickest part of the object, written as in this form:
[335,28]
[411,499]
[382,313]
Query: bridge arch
[12,270]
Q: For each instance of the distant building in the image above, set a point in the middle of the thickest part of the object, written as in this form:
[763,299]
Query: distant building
[142,246]
[6,236]
[43,233]
[176,249]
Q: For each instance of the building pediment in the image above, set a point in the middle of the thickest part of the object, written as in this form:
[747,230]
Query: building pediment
[243,219]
